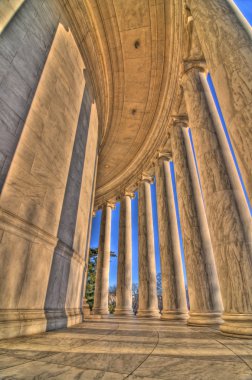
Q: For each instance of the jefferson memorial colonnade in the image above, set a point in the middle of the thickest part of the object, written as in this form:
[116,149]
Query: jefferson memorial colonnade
[97,98]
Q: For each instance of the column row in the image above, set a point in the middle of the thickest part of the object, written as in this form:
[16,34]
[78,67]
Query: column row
[216,246]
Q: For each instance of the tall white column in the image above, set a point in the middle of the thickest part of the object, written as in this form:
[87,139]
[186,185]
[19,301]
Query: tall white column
[203,225]
[173,286]
[148,301]
[124,271]
[103,261]
[205,308]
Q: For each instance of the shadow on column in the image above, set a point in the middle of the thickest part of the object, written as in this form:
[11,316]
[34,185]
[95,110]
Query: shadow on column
[55,303]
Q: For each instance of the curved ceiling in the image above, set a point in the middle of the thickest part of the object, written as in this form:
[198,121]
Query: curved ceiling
[132,50]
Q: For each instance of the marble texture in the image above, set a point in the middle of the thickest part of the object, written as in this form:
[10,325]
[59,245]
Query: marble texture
[232,255]
[173,286]
[236,184]
[7,11]
[103,263]
[203,306]
[24,46]
[32,197]
[64,293]
[148,302]
[124,269]
[136,349]
[220,27]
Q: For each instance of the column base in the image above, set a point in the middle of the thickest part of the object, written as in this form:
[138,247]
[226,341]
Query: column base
[123,312]
[148,314]
[204,319]
[57,319]
[237,325]
[100,311]
[86,310]
[14,323]
[174,315]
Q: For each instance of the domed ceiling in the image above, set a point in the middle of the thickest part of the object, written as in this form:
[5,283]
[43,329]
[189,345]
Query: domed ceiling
[132,52]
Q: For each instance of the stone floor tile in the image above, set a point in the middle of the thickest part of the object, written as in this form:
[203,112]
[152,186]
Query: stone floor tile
[7,361]
[44,371]
[133,350]
[190,369]
[26,354]
[211,351]
[121,363]
[116,347]
[243,350]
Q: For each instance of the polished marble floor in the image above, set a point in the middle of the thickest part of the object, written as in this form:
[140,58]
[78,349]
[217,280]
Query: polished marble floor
[116,349]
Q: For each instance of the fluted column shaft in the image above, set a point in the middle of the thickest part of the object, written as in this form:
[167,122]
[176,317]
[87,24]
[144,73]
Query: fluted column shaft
[226,41]
[173,286]
[124,271]
[205,309]
[103,263]
[232,256]
[203,224]
[148,302]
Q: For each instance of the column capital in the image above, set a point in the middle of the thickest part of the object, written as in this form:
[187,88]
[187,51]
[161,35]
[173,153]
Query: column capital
[129,193]
[190,64]
[144,177]
[125,193]
[110,204]
[164,155]
[181,120]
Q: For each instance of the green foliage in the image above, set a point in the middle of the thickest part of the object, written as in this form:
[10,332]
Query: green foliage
[90,288]
[92,263]
[112,307]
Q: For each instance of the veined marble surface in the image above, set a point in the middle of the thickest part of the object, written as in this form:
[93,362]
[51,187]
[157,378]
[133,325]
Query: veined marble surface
[132,349]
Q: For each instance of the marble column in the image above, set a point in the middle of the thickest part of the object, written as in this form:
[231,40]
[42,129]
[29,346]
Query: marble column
[33,194]
[64,291]
[103,261]
[204,295]
[203,224]
[233,174]
[226,41]
[148,301]
[173,286]
[124,271]
[232,256]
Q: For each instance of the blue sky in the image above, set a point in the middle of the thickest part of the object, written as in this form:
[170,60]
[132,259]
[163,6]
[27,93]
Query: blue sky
[246,8]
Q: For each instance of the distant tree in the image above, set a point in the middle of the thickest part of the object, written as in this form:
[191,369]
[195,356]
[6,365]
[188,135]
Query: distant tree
[135,297]
[90,288]
[92,264]
[112,299]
